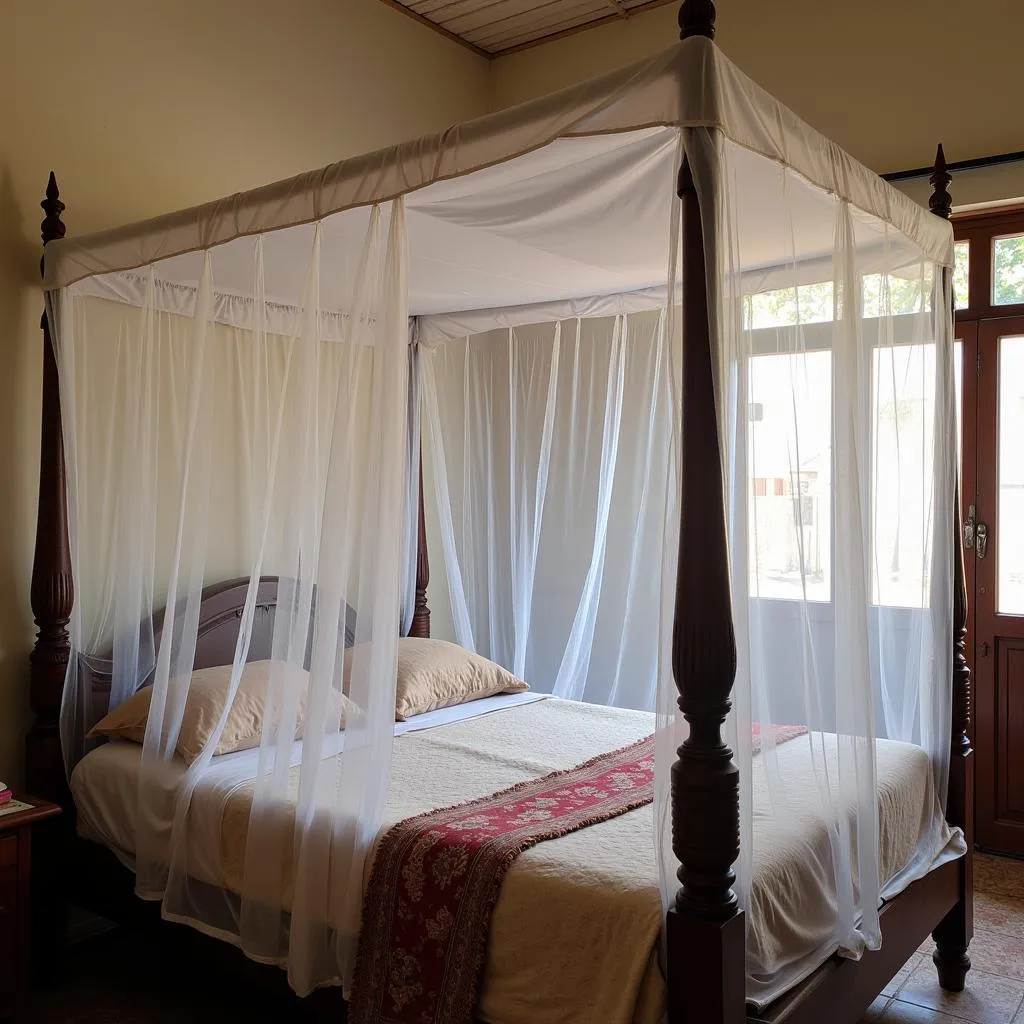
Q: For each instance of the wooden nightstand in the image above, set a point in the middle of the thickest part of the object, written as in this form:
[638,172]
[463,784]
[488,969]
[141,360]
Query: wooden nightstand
[15,889]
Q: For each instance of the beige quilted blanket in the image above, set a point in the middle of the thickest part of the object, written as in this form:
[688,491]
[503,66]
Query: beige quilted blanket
[575,931]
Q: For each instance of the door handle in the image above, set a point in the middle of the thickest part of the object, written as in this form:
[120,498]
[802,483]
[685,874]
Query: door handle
[981,539]
[969,526]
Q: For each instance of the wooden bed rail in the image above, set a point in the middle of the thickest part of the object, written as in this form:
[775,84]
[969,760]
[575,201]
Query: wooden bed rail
[954,934]
[705,927]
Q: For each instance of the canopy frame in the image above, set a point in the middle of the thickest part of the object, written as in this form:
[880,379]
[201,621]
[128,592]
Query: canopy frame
[705,926]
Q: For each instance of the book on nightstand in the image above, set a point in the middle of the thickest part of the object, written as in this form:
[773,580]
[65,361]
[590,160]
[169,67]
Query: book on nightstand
[5,793]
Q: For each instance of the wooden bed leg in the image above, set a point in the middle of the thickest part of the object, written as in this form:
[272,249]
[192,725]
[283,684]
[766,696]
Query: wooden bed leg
[705,927]
[954,933]
[53,591]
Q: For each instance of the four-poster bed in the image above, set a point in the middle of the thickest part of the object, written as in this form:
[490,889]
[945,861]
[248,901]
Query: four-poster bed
[707,947]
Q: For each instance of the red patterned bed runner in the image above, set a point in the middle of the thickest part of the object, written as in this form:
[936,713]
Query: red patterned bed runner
[436,878]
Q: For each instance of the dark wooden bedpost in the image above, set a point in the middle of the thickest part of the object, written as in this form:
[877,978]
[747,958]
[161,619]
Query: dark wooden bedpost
[705,927]
[954,933]
[53,589]
[421,611]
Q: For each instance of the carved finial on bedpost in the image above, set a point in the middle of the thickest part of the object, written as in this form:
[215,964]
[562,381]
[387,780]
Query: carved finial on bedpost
[697,18]
[940,202]
[52,226]
[52,591]
[421,610]
[706,944]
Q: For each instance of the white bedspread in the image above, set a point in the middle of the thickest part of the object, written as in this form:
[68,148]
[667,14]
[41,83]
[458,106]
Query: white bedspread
[577,923]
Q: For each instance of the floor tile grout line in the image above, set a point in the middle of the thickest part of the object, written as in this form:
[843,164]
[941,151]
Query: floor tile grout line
[944,1012]
[951,1011]
[1016,1013]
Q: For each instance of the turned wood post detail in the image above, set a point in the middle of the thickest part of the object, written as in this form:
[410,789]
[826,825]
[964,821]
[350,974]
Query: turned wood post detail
[956,930]
[421,611]
[705,927]
[697,18]
[941,204]
[705,781]
[52,592]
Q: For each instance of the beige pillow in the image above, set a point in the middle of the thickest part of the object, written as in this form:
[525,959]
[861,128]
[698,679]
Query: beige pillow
[206,695]
[436,674]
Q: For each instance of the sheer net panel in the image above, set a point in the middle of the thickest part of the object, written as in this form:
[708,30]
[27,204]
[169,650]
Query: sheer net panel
[552,441]
[243,412]
[836,396]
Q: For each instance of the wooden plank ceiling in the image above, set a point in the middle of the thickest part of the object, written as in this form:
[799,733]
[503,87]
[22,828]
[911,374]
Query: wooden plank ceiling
[494,27]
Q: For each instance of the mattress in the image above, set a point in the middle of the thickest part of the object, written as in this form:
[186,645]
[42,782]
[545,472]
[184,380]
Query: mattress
[578,919]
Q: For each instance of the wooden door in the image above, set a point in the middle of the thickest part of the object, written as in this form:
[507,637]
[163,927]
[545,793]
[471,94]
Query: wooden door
[967,404]
[998,563]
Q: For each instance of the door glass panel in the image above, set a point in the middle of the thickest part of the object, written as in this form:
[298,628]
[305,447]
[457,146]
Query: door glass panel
[958,383]
[1007,270]
[961,275]
[1010,540]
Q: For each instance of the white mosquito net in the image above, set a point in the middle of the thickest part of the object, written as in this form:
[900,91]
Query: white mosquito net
[238,403]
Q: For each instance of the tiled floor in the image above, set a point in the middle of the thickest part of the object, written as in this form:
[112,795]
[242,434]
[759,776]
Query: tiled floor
[995,983]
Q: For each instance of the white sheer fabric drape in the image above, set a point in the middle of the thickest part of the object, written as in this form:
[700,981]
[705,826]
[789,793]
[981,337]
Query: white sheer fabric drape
[198,452]
[835,392]
[548,445]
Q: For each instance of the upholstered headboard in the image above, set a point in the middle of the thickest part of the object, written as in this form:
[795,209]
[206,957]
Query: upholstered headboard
[220,613]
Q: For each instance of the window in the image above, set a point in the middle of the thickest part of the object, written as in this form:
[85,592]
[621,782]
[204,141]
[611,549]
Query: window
[1007,270]
[896,294]
[961,275]
[903,443]
[790,468]
[1010,549]
[787,307]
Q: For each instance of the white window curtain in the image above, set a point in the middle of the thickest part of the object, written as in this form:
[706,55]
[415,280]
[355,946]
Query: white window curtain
[548,445]
[836,410]
[199,450]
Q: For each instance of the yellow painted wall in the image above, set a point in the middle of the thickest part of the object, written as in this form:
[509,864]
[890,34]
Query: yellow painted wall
[886,79]
[144,106]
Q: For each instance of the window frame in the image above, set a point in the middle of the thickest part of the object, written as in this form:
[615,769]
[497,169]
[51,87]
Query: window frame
[818,337]
[980,230]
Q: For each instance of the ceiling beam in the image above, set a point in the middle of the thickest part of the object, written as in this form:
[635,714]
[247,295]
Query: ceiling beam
[620,13]
[607,20]
[421,20]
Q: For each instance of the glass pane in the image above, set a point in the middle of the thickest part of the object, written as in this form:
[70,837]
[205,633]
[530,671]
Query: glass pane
[904,424]
[958,373]
[1008,270]
[786,307]
[896,294]
[791,476]
[1010,540]
[961,274]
